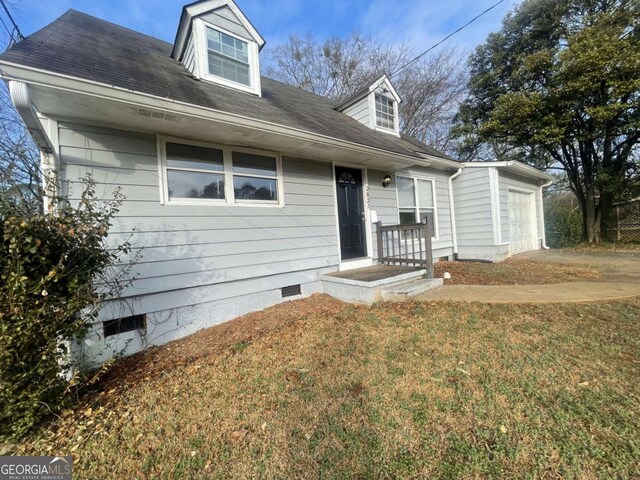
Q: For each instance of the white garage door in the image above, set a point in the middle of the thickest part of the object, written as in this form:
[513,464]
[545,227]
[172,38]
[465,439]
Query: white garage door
[521,222]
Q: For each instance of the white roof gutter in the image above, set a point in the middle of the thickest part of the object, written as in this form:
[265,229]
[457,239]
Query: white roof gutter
[19,93]
[21,99]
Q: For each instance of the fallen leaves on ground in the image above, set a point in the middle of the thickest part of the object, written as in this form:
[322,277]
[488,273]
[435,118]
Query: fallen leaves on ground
[513,271]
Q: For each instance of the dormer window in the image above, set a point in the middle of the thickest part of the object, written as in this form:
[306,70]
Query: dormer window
[228,57]
[217,43]
[375,106]
[385,113]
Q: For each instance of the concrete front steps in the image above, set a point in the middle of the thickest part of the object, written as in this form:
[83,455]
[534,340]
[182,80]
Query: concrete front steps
[410,289]
[377,283]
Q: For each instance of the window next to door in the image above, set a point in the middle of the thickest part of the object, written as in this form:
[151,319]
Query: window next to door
[417,201]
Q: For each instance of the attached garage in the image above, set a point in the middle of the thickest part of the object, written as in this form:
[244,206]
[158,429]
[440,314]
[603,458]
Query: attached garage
[498,210]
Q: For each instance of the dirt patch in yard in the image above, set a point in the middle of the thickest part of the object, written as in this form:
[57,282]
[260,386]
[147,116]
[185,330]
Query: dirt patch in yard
[514,271]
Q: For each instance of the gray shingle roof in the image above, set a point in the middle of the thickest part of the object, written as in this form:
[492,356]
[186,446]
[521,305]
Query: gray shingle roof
[82,46]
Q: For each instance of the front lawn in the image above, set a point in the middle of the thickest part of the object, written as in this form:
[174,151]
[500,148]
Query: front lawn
[321,389]
[513,271]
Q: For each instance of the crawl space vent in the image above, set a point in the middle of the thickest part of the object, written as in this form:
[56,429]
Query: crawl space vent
[291,291]
[122,325]
[158,115]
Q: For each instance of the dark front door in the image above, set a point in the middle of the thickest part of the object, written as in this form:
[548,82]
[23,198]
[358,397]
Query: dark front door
[350,213]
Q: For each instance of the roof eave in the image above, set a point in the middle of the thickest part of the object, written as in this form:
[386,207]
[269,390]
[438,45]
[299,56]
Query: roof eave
[43,78]
[513,166]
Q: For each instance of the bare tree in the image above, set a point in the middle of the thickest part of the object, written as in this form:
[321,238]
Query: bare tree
[20,175]
[431,88]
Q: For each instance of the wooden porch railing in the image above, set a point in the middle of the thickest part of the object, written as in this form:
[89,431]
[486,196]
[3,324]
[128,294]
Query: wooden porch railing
[408,245]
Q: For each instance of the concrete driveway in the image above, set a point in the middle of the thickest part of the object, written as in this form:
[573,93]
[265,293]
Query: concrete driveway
[620,278]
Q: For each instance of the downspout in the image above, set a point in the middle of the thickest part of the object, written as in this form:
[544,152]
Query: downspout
[452,211]
[544,233]
[21,99]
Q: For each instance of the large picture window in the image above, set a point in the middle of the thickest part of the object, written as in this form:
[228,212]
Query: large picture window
[416,201]
[206,174]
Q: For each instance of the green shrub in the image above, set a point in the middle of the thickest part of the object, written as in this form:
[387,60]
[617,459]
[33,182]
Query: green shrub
[563,221]
[54,271]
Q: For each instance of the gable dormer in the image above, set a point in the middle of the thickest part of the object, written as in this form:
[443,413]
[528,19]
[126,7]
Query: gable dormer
[217,43]
[375,106]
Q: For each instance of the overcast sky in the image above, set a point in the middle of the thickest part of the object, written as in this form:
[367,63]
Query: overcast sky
[419,22]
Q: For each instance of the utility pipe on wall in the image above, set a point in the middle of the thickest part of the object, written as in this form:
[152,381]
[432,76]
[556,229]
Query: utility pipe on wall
[544,233]
[452,211]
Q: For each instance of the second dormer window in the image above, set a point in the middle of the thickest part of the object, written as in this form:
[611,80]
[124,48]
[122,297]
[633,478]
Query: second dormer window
[228,57]
[385,113]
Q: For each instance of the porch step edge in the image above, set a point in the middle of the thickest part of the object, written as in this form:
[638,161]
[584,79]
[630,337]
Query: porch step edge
[410,289]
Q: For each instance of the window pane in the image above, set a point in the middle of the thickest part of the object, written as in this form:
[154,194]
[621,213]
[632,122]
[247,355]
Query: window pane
[425,193]
[385,114]
[406,192]
[251,188]
[195,185]
[228,45]
[407,215]
[190,156]
[224,67]
[254,164]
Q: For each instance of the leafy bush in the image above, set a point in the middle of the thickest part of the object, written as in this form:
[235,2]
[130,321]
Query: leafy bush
[563,221]
[54,271]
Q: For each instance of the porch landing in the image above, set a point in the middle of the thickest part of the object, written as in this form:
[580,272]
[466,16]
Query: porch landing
[379,282]
[374,273]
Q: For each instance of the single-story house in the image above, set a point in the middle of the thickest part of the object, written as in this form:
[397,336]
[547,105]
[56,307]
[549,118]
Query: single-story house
[242,191]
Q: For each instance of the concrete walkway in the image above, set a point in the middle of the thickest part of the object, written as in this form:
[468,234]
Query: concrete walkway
[620,278]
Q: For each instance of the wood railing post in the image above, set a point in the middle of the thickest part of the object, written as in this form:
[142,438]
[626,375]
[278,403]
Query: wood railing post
[379,240]
[428,248]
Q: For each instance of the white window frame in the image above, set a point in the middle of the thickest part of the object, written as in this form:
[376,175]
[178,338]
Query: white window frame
[393,111]
[202,58]
[417,207]
[227,155]
[374,119]
[278,177]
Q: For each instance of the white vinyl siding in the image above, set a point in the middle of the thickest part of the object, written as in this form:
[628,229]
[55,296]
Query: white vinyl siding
[226,19]
[472,199]
[360,111]
[197,253]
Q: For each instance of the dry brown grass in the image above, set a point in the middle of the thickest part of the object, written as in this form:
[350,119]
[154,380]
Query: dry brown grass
[409,390]
[513,271]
